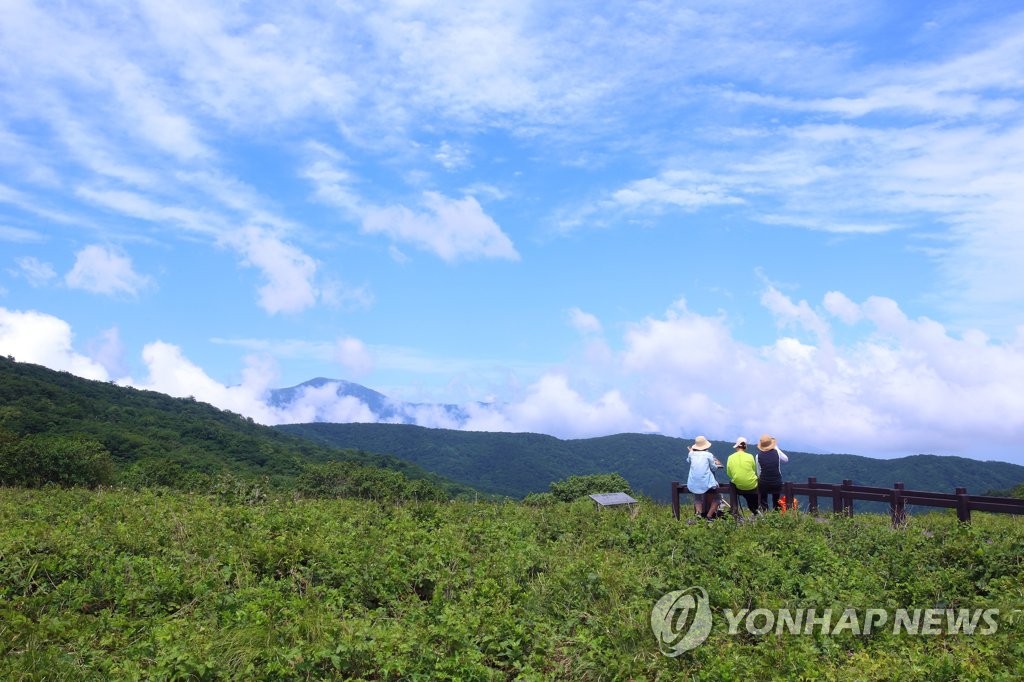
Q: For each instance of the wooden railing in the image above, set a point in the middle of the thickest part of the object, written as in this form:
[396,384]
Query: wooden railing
[897,497]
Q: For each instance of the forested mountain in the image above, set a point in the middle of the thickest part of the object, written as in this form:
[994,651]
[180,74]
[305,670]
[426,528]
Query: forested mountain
[516,464]
[154,438]
[160,438]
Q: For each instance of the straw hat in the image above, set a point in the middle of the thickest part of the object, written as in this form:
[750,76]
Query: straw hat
[701,443]
[766,443]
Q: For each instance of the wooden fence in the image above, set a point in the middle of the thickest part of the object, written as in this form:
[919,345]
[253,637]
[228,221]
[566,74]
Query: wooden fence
[897,497]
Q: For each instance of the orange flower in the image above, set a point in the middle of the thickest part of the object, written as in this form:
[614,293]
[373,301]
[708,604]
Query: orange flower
[782,503]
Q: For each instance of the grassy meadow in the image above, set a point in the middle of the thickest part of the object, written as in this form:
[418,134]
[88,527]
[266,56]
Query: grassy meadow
[114,584]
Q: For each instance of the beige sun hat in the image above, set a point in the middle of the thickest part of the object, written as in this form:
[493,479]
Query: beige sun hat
[766,443]
[701,443]
[742,440]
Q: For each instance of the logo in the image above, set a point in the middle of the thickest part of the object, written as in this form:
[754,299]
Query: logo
[681,620]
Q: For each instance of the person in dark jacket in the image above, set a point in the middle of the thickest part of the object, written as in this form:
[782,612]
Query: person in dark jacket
[769,471]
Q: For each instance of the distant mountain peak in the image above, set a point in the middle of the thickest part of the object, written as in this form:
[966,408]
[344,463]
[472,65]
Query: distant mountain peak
[384,409]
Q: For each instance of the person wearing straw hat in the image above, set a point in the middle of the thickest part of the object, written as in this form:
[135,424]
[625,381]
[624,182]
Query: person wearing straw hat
[701,480]
[769,471]
[742,471]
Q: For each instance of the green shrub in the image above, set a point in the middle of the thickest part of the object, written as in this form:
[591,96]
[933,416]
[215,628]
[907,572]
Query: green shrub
[347,479]
[575,487]
[37,460]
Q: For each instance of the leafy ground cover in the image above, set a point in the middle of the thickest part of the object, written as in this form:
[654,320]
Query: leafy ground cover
[113,584]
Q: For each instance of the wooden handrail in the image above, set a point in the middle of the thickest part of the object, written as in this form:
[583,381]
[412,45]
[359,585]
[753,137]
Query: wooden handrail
[898,497]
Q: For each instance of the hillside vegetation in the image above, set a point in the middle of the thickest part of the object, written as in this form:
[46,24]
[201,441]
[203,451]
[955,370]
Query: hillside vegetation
[128,585]
[517,464]
[56,427]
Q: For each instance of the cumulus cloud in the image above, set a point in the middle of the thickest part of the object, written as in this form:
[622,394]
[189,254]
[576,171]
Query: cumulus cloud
[842,307]
[170,372]
[453,229]
[322,403]
[907,386]
[354,356]
[551,405]
[42,339]
[107,271]
[895,385]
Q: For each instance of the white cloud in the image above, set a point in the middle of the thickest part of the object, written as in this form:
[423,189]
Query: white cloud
[453,229]
[354,356]
[108,350]
[289,272]
[29,161]
[908,386]
[254,70]
[452,156]
[34,205]
[170,372]
[19,235]
[42,339]
[552,406]
[107,271]
[35,271]
[584,322]
[842,307]
[681,189]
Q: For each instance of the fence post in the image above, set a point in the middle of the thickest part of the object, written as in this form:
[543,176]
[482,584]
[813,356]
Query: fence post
[675,499]
[812,498]
[898,505]
[837,499]
[787,492]
[847,499]
[963,506]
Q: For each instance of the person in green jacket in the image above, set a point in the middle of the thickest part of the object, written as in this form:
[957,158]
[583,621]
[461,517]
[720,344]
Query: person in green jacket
[742,471]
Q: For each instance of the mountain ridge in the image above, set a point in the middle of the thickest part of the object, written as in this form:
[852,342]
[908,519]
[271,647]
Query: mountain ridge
[516,464]
[164,438]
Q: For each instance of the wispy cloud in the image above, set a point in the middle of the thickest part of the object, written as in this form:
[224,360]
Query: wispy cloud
[289,273]
[20,235]
[452,229]
[35,271]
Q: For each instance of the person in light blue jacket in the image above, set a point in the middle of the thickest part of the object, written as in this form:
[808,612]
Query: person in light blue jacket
[701,481]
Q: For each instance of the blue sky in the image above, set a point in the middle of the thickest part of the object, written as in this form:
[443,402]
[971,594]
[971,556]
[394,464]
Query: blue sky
[717,218]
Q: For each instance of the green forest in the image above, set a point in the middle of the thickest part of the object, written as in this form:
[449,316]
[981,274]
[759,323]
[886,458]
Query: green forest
[59,428]
[517,464]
